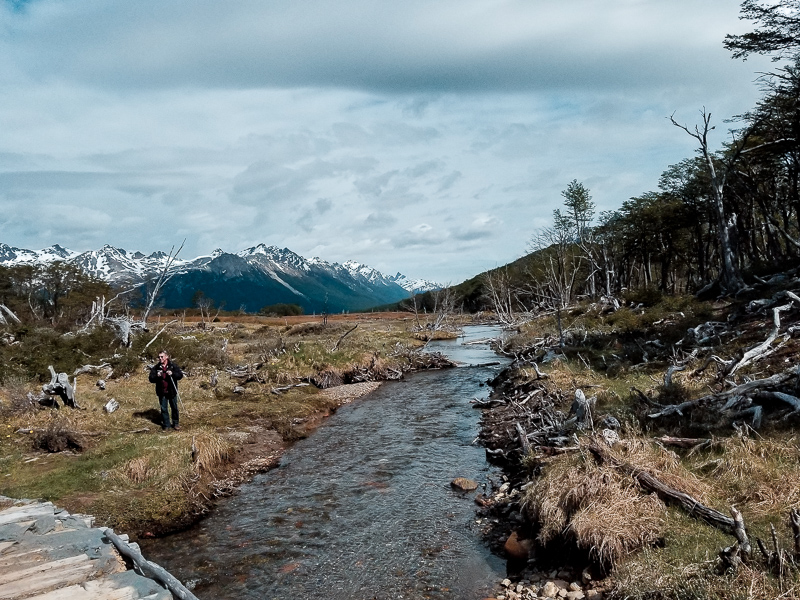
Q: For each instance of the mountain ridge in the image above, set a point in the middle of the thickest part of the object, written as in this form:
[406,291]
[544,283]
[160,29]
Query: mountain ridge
[254,277]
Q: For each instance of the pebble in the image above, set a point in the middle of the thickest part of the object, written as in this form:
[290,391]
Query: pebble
[550,590]
[464,484]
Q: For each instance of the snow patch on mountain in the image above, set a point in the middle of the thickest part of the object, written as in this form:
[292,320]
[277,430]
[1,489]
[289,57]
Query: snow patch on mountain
[414,286]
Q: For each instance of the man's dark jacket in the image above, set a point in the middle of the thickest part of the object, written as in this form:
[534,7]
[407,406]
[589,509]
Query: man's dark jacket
[166,385]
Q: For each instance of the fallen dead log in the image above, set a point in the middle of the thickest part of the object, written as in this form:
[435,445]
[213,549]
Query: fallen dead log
[486,403]
[556,450]
[792,401]
[669,494]
[278,390]
[478,342]
[9,313]
[744,390]
[764,348]
[148,568]
[680,442]
[477,365]
[40,430]
[90,368]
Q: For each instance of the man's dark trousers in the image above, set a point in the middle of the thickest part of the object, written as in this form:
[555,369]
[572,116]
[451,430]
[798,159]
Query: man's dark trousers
[168,404]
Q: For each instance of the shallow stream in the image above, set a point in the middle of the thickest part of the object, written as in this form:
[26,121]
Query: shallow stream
[362,508]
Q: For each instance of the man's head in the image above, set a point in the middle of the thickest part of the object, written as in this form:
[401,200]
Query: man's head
[163,357]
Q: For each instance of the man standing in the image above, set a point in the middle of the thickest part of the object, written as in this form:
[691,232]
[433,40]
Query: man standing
[165,374]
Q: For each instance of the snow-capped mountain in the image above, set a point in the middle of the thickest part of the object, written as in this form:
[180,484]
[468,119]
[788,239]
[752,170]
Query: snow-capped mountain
[253,278]
[415,286]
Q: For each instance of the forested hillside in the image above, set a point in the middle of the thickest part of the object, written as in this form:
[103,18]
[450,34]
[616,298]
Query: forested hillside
[719,220]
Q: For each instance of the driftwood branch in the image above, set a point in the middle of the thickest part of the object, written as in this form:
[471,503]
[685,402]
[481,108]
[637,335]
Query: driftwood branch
[523,439]
[344,335]
[680,442]
[155,337]
[90,368]
[9,313]
[743,390]
[739,530]
[148,568]
[670,372]
[758,351]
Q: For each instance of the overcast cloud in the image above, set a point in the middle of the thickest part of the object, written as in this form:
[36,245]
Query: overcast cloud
[429,137]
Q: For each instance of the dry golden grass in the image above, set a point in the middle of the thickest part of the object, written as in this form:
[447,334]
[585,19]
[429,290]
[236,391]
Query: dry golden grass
[136,469]
[210,450]
[657,574]
[761,476]
[132,475]
[598,508]
[601,508]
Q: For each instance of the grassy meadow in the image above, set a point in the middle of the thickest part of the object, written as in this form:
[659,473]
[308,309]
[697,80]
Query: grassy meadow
[123,469]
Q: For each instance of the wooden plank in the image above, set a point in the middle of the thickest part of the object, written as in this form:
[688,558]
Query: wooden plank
[11,557]
[125,586]
[40,581]
[91,590]
[26,513]
[44,567]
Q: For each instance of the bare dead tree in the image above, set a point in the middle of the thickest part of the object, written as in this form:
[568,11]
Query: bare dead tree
[444,304]
[204,305]
[731,279]
[163,278]
[125,323]
[501,293]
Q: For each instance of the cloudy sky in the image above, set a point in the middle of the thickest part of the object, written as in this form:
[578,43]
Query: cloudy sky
[431,137]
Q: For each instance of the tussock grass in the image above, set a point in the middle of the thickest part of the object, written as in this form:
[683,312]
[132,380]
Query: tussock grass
[135,470]
[600,508]
[594,508]
[685,568]
[211,451]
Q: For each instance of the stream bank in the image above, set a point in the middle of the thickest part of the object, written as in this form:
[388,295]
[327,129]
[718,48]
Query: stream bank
[522,404]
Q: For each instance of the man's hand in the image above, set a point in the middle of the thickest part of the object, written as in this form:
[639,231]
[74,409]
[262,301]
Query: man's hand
[160,372]
[169,373]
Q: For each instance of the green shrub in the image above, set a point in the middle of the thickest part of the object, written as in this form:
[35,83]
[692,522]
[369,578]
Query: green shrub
[282,310]
[646,296]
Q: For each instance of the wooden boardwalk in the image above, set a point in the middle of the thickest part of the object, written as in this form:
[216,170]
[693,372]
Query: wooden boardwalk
[48,554]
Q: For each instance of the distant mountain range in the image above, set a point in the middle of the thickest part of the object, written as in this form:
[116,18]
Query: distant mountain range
[253,278]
